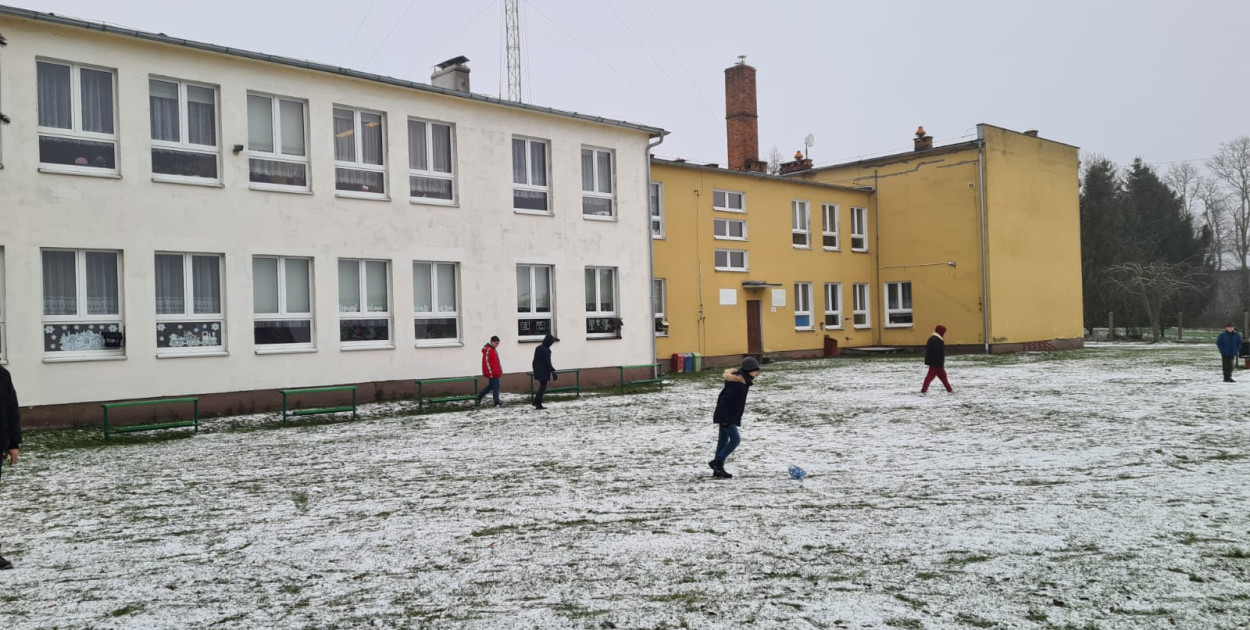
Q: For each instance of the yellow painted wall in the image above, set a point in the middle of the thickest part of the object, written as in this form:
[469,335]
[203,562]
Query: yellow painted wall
[1034,233]
[684,258]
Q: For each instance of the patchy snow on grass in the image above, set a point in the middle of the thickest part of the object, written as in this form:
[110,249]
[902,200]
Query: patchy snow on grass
[1103,488]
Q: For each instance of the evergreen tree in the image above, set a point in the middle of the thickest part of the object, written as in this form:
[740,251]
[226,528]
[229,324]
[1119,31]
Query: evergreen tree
[1103,235]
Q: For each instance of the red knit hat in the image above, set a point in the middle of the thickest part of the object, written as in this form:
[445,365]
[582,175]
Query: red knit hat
[941,330]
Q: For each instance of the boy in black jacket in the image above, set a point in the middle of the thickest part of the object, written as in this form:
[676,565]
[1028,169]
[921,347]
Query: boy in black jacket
[10,430]
[935,358]
[728,415]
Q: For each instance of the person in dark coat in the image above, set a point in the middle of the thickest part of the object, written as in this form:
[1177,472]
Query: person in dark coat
[728,415]
[491,370]
[543,371]
[935,358]
[10,430]
[1229,343]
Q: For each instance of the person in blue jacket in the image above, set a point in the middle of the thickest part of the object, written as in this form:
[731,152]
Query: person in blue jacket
[1229,343]
[728,415]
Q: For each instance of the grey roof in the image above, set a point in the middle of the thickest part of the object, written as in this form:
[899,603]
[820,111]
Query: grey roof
[318,67]
[789,179]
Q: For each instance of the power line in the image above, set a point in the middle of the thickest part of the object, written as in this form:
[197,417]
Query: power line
[660,27]
[357,33]
[439,47]
[389,33]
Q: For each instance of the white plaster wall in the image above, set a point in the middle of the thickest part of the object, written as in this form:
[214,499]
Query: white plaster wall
[139,217]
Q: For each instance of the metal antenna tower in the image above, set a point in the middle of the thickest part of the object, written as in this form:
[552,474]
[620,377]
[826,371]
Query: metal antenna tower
[513,28]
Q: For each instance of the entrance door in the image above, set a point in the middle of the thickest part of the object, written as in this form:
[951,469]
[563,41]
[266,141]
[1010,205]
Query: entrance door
[755,330]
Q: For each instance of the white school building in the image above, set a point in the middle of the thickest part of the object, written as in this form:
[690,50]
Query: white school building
[181,219]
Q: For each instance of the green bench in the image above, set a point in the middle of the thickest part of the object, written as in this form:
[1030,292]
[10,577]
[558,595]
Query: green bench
[421,399]
[575,387]
[318,390]
[656,379]
[194,422]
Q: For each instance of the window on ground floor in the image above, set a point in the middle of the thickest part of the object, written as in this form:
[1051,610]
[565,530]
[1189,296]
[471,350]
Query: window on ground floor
[535,303]
[282,302]
[602,317]
[189,314]
[82,309]
[898,304]
[436,303]
[833,305]
[859,305]
[659,304]
[803,306]
[364,302]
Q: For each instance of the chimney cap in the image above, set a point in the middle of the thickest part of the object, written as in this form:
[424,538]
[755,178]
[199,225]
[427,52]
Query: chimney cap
[1032,133]
[454,61]
[742,60]
[920,131]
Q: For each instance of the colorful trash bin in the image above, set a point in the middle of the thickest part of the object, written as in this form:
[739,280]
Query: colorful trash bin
[698,362]
[687,362]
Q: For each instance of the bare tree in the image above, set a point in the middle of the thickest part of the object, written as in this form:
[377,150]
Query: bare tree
[1215,205]
[1231,166]
[774,161]
[1182,178]
[1155,284]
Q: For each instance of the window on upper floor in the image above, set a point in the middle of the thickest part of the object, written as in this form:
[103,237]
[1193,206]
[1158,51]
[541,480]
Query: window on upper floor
[535,303]
[898,304]
[729,229]
[183,119]
[189,314]
[431,161]
[729,201]
[282,302]
[531,191]
[277,143]
[803,306]
[82,308]
[359,153]
[800,224]
[598,199]
[77,118]
[829,230]
[833,305]
[656,199]
[364,303]
[730,260]
[859,305]
[436,303]
[602,316]
[859,229]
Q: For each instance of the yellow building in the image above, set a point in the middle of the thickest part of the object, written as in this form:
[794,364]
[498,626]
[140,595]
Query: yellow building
[982,237]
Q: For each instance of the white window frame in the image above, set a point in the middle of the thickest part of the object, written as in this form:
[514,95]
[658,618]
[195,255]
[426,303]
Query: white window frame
[283,314]
[533,313]
[659,304]
[184,144]
[433,312]
[76,132]
[117,321]
[429,172]
[803,306]
[275,112]
[829,228]
[597,312]
[801,224]
[833,305]
[859,228]
[904,307]
[717,223]
[359,164]
[729,256]
[726,196]
[861,305]
[165,320]
[595,193]
[364,312]
[655,201]
[528,185]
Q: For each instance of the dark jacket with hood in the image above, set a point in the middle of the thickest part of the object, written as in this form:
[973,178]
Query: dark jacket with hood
[543,370]
[10,420]
[935,350]
[733,398]
[1229,343]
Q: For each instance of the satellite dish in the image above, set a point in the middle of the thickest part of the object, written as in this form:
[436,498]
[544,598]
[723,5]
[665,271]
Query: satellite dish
[810,140]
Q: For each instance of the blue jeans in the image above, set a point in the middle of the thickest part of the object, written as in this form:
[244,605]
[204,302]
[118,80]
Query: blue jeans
[727,441]
[492,386]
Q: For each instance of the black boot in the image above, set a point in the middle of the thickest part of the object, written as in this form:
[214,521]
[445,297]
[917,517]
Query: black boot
[5,564]
[718,469]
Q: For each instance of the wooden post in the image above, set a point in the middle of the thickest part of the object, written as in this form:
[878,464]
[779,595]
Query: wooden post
[1110,325]
[1245,320]
[1180,326]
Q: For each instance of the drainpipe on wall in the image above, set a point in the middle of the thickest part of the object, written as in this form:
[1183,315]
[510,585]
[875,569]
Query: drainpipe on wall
[651,247]
[985,283]
[876,267]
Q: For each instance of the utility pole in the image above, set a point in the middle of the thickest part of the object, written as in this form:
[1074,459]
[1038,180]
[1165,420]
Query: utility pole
[513,27]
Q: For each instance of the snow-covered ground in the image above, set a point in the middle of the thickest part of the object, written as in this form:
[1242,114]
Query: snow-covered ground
[1104,488]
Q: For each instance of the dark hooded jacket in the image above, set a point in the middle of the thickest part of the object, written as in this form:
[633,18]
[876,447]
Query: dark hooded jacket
[543,370]
[733,398]
[10,420]
[935,351]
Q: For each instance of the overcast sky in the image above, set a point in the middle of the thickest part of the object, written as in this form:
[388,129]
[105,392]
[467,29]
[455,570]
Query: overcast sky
[1167,81]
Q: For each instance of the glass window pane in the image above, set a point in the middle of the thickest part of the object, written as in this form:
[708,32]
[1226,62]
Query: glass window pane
[422,290]
[265,285]
[371,138]
[170,290]
[718,198]
[591,291]
[201,116]
[259,123]
[344,136]
[417,159]
[523,294]
[542,289]
[538,163]
[446,288]
[376,299]
[588,170]
[102,294]
[298,297]
[604,168]
[206,284]
[519,170]
[349,286]
[163,109]
[60,283]
[607,290]
[54,95]
[442,148]
[291,115]
[97,100]
[735,201]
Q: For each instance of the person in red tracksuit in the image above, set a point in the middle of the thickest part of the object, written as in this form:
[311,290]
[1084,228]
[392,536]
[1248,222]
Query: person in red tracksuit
[935,358]
[491,370]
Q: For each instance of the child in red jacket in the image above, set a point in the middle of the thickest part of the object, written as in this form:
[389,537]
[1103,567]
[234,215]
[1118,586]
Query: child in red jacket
[490,370]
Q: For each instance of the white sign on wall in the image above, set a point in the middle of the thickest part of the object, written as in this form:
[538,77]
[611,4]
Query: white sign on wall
[728,297]
[779,297]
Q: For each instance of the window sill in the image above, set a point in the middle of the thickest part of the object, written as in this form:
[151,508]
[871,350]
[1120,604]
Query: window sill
[442,203]
[900,325]
[807,247]
[290,190]
[658,238]
[363,196]
[530,340]
[80,358]
[729,210]
[733,270]
[596,217]
[438,344]
[805,329]
[188,182]
[533,213]
[389,346]
[54,170]
[833,249]
[834,328]
[658,335]
[862,327]
[184,355]
[603,337]
[729,238]
[859,251]
[281,350]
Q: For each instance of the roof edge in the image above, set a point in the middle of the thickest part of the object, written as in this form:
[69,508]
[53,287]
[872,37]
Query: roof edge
[778,178]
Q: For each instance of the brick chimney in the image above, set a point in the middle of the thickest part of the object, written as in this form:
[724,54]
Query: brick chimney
[741,119]
[452,74]
[923,141]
